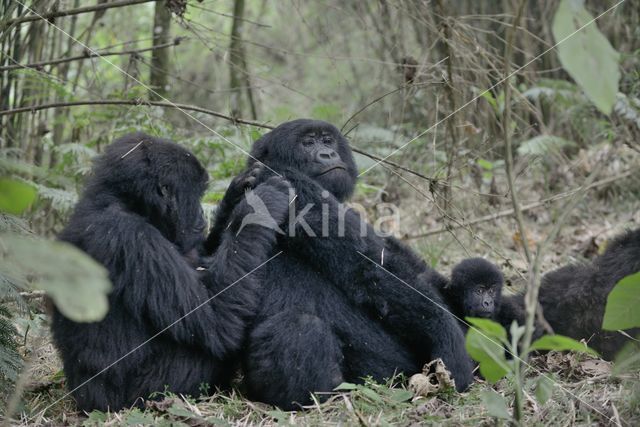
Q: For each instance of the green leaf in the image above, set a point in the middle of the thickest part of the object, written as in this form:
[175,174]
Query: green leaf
[495,404]
[489,327]
[485,344]
[15,196]
[346,387]
[371,394]
[628,359]
[136,417]
[401,395]
[544,389]
[485,164]
[77,284]
[279,415]
[560,343]
[621,311]
[587,55]
[181,411]
[95,418]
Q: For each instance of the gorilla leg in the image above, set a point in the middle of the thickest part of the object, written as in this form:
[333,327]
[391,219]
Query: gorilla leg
[370,351]
[179,370]
[291,355]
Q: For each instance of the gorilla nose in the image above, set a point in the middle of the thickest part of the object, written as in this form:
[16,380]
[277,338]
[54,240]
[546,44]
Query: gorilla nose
[487,304]
[327,155]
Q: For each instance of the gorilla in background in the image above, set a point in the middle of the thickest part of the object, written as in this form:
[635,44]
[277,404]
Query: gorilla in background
[574,297]
[328,314]
[475,289]
[139,215]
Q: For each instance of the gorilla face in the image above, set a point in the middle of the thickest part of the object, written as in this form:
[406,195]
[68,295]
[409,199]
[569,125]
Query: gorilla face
[476,285]
[313,147]
[158,180]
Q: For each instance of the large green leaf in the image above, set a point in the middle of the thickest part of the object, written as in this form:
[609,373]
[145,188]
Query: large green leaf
[587,55]
[77,284]
[485,344]
[622,311]
[560,343]
[15,196]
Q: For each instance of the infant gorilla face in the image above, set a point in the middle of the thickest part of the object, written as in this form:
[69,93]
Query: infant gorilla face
[477,284]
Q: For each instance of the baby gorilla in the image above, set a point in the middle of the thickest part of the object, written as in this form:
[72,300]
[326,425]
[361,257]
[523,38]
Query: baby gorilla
[475,289]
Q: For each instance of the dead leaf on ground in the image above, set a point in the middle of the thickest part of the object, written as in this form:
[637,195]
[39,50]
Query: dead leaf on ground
[434,378]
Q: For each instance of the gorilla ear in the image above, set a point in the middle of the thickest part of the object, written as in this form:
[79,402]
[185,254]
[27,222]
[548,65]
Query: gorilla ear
[164,192]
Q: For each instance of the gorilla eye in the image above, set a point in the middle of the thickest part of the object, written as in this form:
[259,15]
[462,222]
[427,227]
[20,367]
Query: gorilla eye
[307,142]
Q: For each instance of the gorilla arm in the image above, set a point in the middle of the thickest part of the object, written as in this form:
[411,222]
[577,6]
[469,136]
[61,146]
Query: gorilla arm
[206,309]
[411,308]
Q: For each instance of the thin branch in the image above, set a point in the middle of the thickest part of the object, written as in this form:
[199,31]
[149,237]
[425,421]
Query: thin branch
[69,12]
[88,55]
[506,126]
[524,208]
[141,102]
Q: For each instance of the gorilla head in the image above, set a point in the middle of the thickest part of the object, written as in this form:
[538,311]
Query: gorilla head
[475,289]
[159,181]
[312,147]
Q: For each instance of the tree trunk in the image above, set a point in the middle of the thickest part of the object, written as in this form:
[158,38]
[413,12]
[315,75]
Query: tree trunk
[158,77]
[238,73]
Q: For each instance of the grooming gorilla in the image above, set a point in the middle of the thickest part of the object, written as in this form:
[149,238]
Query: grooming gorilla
[475,289]
[139,214]
[574,297]
[328,314]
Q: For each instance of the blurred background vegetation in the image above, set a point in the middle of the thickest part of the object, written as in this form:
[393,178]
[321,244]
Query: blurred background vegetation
[405,78]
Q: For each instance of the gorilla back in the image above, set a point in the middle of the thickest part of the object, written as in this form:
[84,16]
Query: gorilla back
[139,215]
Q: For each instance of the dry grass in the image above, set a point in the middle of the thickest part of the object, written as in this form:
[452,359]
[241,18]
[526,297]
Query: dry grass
[585,392]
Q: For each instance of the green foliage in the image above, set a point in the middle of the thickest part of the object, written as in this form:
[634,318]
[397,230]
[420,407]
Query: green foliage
[376,393]
[544,389]
[628,359]
[10,360]
[495,404]
[485,343]
[328,112]
[561,343]
[77,284]
[15,196]
[487,340]
[542,145]
[621,311]
[586,54]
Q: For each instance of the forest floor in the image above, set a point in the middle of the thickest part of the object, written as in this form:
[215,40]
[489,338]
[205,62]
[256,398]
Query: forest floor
[585,392]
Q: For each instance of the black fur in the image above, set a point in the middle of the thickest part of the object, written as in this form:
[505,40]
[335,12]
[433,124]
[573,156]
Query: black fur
[139,214]
[327,313]
[475,289]
[574,297]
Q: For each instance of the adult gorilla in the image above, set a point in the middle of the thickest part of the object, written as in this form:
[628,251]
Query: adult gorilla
[328,314]
[139,214]
[574,297]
